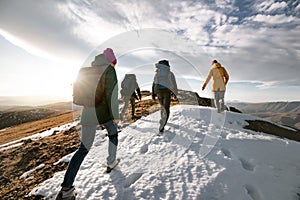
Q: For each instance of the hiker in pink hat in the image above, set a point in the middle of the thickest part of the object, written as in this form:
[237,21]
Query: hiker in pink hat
[110,56]
[220,79]
[105,112]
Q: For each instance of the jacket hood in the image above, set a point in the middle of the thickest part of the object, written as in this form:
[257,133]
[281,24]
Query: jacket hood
[162,66]
[130,76]
[216,65]
[100,60]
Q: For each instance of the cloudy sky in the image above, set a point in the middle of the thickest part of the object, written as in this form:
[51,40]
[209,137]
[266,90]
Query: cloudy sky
[44,43]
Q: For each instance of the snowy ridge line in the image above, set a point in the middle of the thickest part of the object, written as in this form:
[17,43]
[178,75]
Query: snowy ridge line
[49,132]
[241,164]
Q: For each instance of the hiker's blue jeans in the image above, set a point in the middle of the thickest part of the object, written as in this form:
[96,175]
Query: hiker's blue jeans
[87,139]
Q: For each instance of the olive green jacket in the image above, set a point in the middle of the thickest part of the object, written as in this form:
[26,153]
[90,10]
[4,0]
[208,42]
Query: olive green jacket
[108,109]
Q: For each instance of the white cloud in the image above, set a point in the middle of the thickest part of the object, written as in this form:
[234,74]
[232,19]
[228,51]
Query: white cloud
[264,5]
[43,26]
[273,19]
[277,6]
[251,47]
[297,8]
[267,85]
[270,6]
[26,45]
[233,19]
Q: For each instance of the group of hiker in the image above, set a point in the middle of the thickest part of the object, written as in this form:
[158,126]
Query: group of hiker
[101,106]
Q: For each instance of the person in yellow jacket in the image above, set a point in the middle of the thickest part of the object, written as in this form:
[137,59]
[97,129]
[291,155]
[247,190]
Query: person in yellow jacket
[220,79]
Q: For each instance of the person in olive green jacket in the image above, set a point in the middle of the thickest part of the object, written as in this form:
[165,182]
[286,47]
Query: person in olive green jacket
[220,80]
[105,112]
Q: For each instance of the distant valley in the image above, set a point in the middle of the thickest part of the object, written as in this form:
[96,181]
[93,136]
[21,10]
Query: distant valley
[286,113]
[34,108]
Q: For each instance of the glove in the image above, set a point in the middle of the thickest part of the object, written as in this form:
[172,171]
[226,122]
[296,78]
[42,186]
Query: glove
[203,87]
[153,97]
[173,96]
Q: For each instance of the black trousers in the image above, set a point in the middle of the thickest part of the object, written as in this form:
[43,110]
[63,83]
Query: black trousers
[164,97]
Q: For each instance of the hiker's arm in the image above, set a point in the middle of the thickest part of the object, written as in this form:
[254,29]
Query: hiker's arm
[175,85]
[111,93]
[153,87]
[153,91]
[139,93]
[226,76]
[207,79]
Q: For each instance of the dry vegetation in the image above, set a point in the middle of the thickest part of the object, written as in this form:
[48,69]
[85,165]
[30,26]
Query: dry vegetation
[48,150]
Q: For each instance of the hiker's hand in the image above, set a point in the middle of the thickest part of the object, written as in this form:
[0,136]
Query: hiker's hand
[153,97]
[115,121]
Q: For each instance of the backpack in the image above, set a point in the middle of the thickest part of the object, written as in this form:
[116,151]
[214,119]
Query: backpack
[87,88]
[128,85]
[163,77]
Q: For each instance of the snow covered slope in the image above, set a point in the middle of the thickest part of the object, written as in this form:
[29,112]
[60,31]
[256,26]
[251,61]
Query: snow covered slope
[202,155]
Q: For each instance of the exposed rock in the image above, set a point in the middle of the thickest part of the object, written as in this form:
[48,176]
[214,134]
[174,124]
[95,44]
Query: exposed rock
[273,129]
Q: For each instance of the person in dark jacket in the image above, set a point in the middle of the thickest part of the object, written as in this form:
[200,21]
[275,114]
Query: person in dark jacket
[164,85]
[130,92]
[106,113]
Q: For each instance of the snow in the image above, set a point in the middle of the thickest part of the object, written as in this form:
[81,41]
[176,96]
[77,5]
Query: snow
[37,136]
[24,175]
[149,97]
[201,155]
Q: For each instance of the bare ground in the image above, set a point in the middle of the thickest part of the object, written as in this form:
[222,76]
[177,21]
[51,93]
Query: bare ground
[48,150]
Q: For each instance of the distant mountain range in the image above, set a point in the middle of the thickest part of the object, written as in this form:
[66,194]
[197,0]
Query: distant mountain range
[7,102]
[286,113]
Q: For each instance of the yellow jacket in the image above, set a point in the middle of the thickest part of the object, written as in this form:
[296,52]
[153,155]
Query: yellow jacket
[220,77]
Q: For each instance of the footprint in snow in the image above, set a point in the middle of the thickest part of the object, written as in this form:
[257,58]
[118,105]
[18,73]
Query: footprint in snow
[121,139]
[144,149]
[131,179]
[247,165]
[252,192]
[226,152]
[168,136]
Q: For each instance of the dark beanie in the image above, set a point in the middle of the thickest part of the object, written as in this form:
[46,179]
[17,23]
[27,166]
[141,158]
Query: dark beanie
[214,61]
[164,62]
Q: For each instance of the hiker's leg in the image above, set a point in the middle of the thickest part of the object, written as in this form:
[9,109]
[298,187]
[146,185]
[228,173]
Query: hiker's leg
[160,99]
[112,130]
[167,102]
[87,138]
[132,102]
[124,109]
[160,96]
[217,100]
[222,104]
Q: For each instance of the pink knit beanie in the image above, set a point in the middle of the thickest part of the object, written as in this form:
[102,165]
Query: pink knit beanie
[110,56]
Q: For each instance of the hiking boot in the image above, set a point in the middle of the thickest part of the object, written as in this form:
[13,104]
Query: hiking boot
[161,129]
[66,194]
[112,165]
